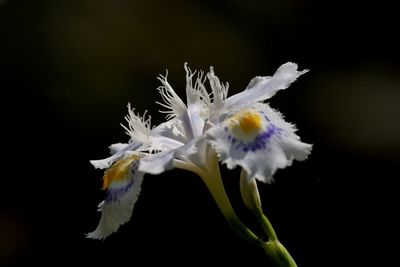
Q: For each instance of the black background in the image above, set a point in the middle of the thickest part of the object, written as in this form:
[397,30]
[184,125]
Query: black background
[68,69]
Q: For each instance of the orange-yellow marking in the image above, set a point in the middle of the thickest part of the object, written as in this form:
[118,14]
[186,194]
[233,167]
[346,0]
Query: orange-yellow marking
[247,121]
[118,172]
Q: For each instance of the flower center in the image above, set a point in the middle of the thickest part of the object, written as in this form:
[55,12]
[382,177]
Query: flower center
[119,172]
[246,124]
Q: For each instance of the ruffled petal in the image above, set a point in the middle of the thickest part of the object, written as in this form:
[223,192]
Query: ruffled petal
[259,140]
[122,183]
[262,88]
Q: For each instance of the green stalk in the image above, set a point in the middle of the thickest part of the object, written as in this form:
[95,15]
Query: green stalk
[274,248]
[212,179]
[279,254]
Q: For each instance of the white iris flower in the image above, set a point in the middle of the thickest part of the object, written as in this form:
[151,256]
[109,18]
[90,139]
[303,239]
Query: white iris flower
[240,130]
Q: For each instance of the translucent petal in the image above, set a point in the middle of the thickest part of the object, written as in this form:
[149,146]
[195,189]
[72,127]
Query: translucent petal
[262,88]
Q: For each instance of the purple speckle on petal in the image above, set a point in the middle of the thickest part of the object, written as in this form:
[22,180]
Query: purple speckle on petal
[113,194]
[260,142]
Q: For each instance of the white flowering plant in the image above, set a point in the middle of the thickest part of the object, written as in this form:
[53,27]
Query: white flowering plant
[240,130]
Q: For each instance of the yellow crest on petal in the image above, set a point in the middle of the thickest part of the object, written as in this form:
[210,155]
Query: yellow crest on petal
[246,123]
[249,121]
[119,172]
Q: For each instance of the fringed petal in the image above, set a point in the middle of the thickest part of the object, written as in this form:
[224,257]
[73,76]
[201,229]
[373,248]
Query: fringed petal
[122,183]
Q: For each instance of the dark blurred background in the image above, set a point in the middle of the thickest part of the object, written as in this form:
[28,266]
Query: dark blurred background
[69,68]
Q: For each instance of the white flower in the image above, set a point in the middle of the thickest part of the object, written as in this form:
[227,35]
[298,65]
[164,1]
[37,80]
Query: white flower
[239,130]
[243,130]
[122,179]
[258,139]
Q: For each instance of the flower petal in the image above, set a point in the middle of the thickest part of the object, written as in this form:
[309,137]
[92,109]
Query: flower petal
[259,140]
[114,148]
[170,129]
[195,112]
[157,163]
[172,101]
[176,108]
[198,101]
[138,126]
[164,161]
[123,184]
[107,162]
[219,93]
[262,88]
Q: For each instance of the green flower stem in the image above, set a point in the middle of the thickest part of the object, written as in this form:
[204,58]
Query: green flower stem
[274,248]
[212,178]
[217,190]
[279,253]
[266,226]
[213,181]
[251,198]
